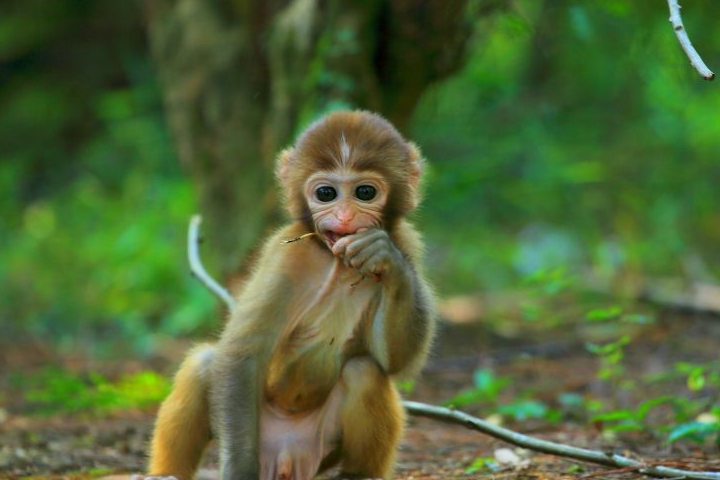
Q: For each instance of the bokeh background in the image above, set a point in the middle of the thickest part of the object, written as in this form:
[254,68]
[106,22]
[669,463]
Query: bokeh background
[560,135]
[573,166]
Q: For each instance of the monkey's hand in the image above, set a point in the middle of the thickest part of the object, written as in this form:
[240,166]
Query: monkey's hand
[372,253]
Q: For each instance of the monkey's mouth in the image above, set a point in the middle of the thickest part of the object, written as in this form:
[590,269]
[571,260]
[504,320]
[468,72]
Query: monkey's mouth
[333,237]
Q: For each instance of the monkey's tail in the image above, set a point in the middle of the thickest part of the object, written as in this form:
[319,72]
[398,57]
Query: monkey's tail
[182,429]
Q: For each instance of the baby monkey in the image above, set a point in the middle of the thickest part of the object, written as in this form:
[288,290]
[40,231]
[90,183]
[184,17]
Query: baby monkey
[301,378]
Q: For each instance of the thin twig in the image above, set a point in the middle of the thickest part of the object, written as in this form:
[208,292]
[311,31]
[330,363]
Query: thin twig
[454,416]
[296,239]
[682,36]
[196,266]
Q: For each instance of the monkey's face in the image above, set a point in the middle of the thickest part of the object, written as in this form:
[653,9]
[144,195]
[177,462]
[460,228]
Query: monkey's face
[344,201]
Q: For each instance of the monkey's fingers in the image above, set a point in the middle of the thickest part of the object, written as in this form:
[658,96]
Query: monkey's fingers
[378,265]
[357,239]
[352,245]
[357,255]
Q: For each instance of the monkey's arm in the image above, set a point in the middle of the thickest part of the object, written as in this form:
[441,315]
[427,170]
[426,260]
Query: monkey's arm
[234,404]
[401,328]
[242,356]
[402,325]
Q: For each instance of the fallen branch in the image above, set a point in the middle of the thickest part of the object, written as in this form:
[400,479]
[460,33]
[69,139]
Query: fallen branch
[593,456]
[454,416]
[682,36]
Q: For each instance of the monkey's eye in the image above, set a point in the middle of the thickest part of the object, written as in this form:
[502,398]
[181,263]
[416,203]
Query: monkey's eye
[325,194]
[365,192]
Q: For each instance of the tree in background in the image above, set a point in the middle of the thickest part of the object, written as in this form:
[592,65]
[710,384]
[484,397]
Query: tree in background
[240,77]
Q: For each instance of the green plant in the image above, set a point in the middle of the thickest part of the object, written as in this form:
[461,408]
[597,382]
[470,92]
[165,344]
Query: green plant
[611,355]
[704,427]
[482,463]
[630,419]
[699,375]
[615,313]
[521,410]
[58,391]
[550,281]
[486,389]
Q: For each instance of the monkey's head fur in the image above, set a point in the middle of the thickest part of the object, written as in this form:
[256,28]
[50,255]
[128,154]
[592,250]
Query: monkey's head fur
[357,141]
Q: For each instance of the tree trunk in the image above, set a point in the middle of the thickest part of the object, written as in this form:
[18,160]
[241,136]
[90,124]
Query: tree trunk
[240,77]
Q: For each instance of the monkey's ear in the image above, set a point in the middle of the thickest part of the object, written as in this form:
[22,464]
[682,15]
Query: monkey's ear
[282,166]
[416,166]
[415,171]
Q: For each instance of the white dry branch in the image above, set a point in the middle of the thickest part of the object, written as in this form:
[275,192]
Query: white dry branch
[448,415]
[682,36]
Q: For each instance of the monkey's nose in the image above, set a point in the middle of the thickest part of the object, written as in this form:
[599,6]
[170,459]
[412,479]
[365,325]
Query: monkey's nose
[345,214]
[345,219]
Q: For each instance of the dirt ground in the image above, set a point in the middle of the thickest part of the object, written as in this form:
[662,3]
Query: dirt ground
[548,363]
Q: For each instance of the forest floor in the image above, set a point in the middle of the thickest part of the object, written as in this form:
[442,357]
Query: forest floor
[546,364]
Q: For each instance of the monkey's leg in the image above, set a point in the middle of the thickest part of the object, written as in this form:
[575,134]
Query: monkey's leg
[182,428]
[372,420]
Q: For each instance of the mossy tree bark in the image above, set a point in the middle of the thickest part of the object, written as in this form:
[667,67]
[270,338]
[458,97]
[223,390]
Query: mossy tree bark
[240,77]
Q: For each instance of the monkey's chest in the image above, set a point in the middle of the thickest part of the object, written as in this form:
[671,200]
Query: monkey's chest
[307,363]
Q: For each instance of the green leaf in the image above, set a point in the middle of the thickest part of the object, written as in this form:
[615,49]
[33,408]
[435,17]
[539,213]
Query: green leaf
[571,400]
[614,416]
[485,381]
[481,463]
[694,431]
[630,426]
[645,407]
[696,379]
[524,409]
[603,314]
[466,397]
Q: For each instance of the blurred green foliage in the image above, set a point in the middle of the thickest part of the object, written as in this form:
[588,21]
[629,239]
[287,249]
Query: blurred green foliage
[486,391]
[94,205]
[53,391]
[690,414]
[576,137]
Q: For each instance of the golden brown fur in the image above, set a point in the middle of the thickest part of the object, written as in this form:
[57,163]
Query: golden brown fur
[301,377]
[183,420]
